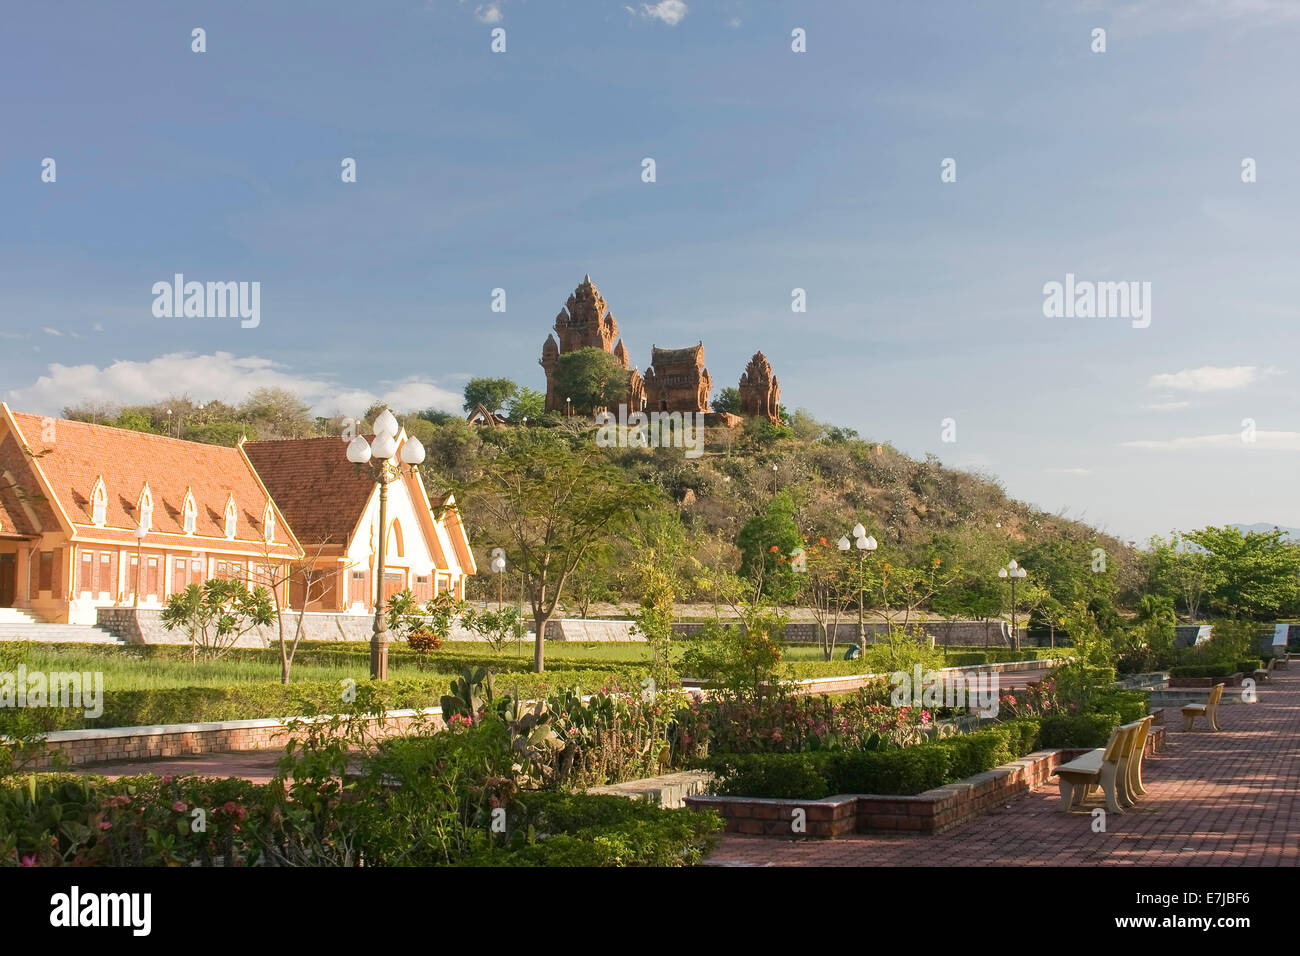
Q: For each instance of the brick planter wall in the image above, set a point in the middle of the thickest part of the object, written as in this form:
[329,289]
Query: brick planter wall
[78,747]
[934,811]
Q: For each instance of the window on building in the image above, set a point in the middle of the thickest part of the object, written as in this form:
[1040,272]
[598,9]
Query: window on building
[99,504]
[232,518]
[268,524]
[189,513]
[87,581]
[144,507]
[45,575]
[105,582]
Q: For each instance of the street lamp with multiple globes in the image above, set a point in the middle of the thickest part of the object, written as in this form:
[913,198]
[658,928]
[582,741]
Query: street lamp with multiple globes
[381,455]
[1013,572]
[865,544]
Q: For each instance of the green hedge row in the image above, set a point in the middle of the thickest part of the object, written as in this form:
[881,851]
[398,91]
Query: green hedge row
[903,771]
[187,705]
[1216,670]
[1004,655]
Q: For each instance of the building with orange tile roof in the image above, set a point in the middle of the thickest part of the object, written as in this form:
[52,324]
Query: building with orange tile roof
[333,507]
[72,495]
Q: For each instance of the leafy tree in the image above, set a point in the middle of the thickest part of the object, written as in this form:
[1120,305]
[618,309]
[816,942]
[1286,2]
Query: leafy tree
[727,400]
[216,614]
[547,506]
[592,378]
[766,544]
[491,393]
[436,416]
[661,551]
[527,403]
[278,413]
[132,420]
[742,656]
[1248,575]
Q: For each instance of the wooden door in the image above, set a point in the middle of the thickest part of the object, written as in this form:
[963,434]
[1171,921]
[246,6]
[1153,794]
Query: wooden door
[8,579]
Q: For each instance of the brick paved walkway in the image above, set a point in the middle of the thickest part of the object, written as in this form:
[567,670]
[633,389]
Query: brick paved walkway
[1225,799]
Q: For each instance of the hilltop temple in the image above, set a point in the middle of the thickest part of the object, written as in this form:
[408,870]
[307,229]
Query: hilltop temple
[675,381]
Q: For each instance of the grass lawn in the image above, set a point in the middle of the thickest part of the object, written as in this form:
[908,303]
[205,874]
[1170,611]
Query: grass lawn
[159,684]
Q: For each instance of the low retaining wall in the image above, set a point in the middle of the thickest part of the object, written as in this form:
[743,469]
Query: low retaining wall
[78,747]
[934,811]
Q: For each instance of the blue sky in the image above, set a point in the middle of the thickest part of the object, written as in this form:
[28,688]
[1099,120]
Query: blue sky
[775,170]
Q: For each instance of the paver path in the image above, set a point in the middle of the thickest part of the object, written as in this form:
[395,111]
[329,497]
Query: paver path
[1214,799]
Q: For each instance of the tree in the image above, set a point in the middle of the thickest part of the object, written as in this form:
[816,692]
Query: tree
[827,582]
[547,506]
[727,400]
[661,551]
[277,413]
[216,614]
[491,393]
[527,403]
[766,544]
[592,378]
[277,577]
[1251,575]
[591,578]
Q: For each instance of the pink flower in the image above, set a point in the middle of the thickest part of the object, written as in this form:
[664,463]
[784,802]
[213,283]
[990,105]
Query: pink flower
[105,825]
[179,807]
[167,779]
[230,806]
[29,860]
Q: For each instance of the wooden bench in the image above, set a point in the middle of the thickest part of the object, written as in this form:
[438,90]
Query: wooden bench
[1105,767]
[1209,710]
[1135,785]
[1262,673]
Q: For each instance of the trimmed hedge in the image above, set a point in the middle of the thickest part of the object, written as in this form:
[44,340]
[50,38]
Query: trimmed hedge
[903,771]
[198,704]
[1203,670]
[1078,730]
[1002,655]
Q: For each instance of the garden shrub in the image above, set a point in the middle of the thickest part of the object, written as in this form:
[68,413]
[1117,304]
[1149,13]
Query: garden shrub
[901,771]
[791,776]
[1065,731]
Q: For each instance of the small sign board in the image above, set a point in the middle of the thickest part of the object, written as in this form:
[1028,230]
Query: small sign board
[1280,634]
[1203,633]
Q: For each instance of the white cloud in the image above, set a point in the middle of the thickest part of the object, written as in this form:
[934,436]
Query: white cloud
[49,331]
[489,13]
[1272,441]
[734,23]
[1069,471]
[221,376]
[1211,378]
[670,12]
[1166,406]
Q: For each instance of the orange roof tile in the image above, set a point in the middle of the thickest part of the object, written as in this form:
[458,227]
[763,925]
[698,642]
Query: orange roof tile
[320,493]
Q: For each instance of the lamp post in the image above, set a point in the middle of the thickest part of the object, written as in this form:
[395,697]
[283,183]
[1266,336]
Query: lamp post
[381,455]
[774,488]
[568,408]
[141,529]
[499,569]
[865,544]
[1013,572]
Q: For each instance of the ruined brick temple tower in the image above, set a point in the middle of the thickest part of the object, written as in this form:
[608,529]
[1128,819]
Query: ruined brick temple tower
[675,381]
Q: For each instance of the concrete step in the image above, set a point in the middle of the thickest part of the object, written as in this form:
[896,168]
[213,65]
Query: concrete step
[56,633]
[12,615]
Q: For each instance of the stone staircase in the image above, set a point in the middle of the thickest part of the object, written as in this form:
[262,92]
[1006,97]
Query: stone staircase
[16,625]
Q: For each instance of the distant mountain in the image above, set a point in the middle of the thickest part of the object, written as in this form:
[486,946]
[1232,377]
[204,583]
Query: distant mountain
[1292,534]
